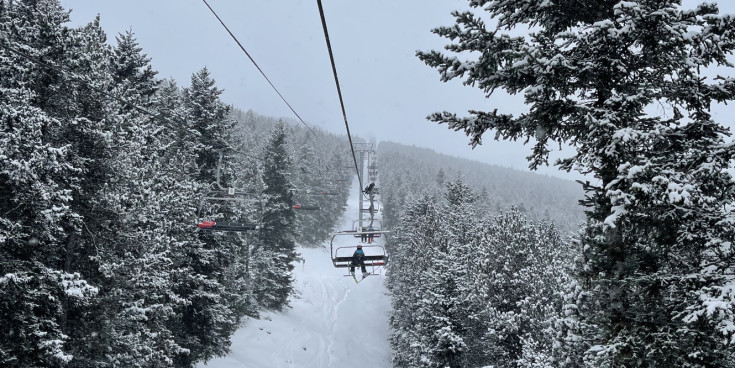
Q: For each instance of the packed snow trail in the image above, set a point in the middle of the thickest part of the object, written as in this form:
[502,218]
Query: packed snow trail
[332,322]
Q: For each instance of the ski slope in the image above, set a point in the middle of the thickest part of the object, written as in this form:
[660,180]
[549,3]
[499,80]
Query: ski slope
[332,322]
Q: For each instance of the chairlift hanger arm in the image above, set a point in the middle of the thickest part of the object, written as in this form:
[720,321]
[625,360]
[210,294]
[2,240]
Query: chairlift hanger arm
[226,226]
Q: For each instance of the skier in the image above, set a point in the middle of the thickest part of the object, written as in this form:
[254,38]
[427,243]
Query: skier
[371,235]
[358,259]
[363,236]
[369,188]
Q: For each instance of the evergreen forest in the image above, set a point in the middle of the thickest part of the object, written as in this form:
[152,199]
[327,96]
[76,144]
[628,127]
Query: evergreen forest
[109,175]
[102,167]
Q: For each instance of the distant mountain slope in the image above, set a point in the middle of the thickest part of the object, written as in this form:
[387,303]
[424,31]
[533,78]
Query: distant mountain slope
[406,170]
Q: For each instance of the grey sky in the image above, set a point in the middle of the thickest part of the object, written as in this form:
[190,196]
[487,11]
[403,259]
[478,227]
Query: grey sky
[388,92]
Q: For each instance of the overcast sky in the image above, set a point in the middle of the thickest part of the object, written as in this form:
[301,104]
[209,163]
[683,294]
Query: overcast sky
[388,92]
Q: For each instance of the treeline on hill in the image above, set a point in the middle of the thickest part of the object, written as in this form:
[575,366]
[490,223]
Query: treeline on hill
[101,169]
[474,281]
[408,171]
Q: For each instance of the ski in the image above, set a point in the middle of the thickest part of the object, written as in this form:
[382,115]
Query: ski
[354,277]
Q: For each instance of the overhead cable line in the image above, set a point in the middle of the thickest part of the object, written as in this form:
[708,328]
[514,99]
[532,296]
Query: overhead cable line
[74,77]
[339,91]
[261,71]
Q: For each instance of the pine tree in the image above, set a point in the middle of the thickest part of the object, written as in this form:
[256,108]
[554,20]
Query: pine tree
[412,319]
[35,291]
[206,318]
[449,278]
[275,248]
[657,259]
[61,118]
[522,268]
[132,71]
[210,117]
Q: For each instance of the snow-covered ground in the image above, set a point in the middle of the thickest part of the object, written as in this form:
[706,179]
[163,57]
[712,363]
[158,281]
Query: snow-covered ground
[332,322]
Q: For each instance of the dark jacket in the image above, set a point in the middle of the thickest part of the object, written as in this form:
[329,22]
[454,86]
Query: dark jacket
[358,256]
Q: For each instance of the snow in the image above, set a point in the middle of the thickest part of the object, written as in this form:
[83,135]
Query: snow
[332,322]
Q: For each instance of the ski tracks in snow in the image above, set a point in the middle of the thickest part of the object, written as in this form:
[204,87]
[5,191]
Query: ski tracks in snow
[312,339]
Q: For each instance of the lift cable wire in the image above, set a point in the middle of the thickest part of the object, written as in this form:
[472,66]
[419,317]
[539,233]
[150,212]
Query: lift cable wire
[262,73]
[339,91]
[75,77]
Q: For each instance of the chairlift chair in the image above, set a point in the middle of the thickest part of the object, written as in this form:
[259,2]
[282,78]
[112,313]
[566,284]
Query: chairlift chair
[373,190]
[252,203]
[358,233]
[375,208]
[375,256]
[298,203]
[301,207]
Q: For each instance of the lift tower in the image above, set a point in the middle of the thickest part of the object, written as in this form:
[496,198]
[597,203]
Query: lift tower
[364,150]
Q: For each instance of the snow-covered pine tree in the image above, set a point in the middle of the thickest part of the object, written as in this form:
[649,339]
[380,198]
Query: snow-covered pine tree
[35,290]
[274,246]
[132,71]
[521,268]
[305,181]
[462,224]
[313,173]
[210,118]
[448,279]
[412,320]
[334,203]
[441,177]
[658,255]
[246,169]
[136,266]
[206,319]
[70,114]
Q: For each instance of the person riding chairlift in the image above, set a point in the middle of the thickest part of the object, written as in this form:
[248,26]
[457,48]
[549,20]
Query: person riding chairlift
[371,235]
[358,259]
[363,236]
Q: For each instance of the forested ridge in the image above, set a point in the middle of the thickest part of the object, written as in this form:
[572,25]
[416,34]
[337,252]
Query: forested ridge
[102,166]
[408,171]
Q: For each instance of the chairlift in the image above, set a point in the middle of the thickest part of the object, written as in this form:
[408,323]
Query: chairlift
[374,208]
[375,256]
[371,189]
[301,207]
[300,195]
[251,201]
[358,233]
